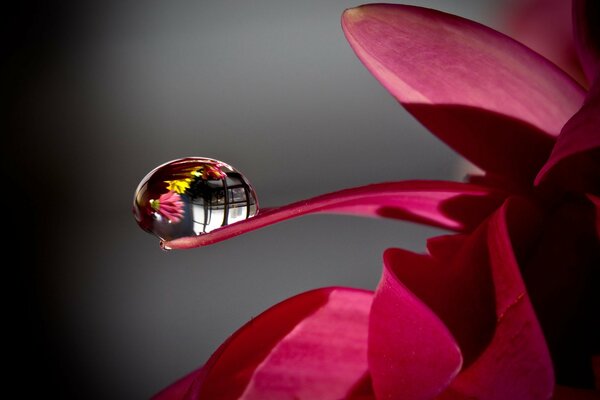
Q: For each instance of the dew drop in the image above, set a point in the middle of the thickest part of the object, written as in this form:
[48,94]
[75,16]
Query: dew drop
[192,196]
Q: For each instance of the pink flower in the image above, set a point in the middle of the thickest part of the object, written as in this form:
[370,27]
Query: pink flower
[169,205]
[505,308]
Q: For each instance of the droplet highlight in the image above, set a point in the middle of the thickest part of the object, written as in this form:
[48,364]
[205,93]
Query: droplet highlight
[192,196]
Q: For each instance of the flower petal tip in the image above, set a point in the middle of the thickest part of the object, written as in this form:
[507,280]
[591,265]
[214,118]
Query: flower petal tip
[352,14]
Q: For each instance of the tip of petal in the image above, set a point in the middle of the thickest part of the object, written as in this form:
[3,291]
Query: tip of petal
[353,14]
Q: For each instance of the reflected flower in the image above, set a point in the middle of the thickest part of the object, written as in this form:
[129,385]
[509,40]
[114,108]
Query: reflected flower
[504,308]
[169,205]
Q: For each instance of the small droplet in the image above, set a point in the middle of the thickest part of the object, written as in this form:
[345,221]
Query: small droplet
[192,196]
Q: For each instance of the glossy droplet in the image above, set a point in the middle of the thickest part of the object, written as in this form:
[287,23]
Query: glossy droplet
[192,196]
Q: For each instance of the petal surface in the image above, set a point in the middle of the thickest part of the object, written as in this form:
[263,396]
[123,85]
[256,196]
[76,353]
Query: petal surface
[454,283]
[412,354]
[449,205]
[586,21]
[313,345]
[528,21]
[490,98]
[516,363]
[575,159]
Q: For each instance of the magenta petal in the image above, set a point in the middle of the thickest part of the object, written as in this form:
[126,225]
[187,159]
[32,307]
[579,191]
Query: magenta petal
[450,205]
[575,159]
[312,346]
[490,98]
[586,19]
[455,282]
[528,22]
[516,364]
[412,354]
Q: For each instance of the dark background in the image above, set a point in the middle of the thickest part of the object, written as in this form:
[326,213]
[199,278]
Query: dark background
[96,94]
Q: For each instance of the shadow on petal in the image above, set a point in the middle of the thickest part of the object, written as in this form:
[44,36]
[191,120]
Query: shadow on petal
[560,269]
[412,354]
[586,18]
[516,364]
[496,143]
[575,159]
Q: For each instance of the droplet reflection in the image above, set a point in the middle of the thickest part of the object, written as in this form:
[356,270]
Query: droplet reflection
[192,196]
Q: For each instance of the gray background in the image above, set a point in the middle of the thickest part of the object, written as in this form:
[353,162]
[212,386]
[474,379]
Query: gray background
[99,94]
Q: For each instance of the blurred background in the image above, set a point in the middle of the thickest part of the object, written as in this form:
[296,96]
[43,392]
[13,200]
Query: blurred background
[96,94]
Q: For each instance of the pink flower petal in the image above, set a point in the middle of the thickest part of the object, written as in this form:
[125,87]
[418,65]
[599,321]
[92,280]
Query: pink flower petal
[586,18]
[490,98]
[575,159]
[528,20]
[310,346]
[516,363]
[325,355]
[412,354]
[453,283]
[449,205]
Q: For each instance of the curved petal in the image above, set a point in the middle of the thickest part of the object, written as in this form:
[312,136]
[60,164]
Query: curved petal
[455,282]
[450,205]
[412,354]
[490,98]
[586,21]
[310,346]
[516,364]
[575,159]
[528,21]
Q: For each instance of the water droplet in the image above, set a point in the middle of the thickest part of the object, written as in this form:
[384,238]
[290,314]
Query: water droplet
[192,196]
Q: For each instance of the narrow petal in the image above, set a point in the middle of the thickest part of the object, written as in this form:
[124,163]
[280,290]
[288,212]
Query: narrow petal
[575,159]
[516,364]
[490,98]
[313,345]
[586,18]
[412,354]
[449,205]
